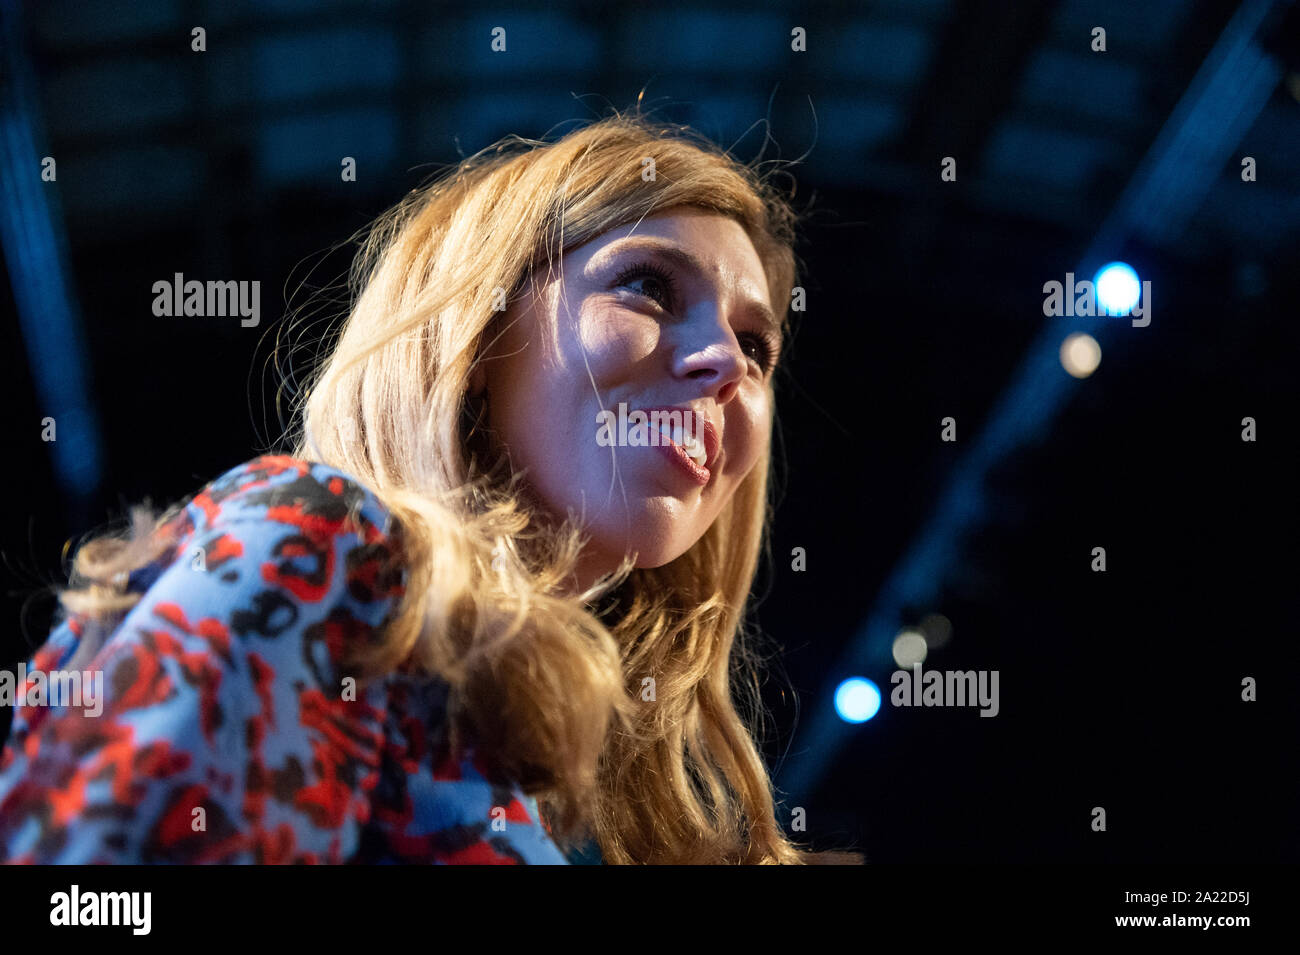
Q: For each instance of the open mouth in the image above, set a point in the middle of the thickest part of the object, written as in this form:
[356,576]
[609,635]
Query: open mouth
[691,444]
[689,440]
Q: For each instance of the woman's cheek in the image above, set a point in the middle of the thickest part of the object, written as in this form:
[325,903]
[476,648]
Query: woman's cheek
[752,429]
[615,340]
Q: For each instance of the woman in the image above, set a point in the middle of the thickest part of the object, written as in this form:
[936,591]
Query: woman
[458,623]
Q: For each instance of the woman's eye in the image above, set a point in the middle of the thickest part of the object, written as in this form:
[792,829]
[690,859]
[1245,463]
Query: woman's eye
[656,283]
[759,349]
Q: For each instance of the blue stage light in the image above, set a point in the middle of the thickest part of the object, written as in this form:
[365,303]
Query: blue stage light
[1118,288]
[857,700]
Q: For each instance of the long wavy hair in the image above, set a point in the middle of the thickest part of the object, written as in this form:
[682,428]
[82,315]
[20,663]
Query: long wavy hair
[630,710]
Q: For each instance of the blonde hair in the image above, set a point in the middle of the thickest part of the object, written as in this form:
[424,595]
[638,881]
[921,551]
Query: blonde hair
[547,683]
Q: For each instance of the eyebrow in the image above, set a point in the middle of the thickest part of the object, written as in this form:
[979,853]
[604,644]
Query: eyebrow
[691,262]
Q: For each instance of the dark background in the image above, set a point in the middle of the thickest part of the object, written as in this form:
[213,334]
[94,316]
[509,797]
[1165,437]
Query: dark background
[1118,689]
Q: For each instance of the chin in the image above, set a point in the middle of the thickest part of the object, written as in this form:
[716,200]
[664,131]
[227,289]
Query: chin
[649,561]
[657,529]
[651,550]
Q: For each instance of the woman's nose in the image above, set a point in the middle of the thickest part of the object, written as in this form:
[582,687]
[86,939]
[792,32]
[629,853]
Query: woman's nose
[708,353]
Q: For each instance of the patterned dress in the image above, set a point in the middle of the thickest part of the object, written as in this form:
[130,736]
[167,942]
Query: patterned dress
[226,731]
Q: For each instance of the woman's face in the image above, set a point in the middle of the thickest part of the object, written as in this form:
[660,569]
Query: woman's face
[671,312]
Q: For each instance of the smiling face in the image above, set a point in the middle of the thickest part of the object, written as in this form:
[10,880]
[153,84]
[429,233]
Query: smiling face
[671,312]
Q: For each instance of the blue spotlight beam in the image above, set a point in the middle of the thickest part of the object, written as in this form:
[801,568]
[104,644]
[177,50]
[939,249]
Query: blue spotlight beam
[1220,103]
[35,252]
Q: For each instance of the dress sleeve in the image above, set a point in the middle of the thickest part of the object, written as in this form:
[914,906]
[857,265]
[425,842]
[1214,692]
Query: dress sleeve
[217,724]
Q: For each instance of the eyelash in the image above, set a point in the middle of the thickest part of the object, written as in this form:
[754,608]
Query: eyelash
[767,344]
[767,349]
[649,269]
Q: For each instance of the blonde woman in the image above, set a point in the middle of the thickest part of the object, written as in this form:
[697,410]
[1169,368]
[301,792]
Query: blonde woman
[467,619]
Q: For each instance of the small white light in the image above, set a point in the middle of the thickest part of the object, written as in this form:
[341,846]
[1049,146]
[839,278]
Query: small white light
[909,647]
[1080,354]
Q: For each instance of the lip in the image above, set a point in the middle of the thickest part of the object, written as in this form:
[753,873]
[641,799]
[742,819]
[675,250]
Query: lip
[678,454]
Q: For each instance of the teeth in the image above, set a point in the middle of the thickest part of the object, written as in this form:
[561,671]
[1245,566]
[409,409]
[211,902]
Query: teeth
[693,446]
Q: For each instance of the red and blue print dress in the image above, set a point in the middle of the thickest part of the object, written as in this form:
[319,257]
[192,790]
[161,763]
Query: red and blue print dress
[222,693]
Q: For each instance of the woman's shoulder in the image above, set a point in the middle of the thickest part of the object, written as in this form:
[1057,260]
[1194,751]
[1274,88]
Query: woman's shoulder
[299,521]
[301,529]
[224,683]
[279,487]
